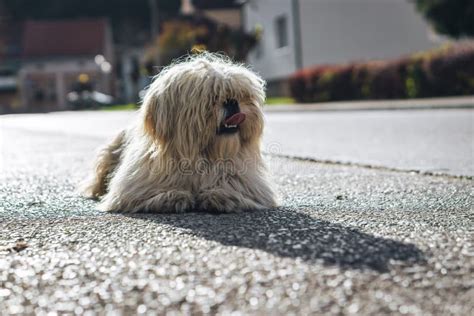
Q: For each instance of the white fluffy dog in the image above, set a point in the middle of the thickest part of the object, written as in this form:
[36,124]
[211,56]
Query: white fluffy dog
[194,146]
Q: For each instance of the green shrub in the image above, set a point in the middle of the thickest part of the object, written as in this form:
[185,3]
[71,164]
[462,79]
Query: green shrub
[446,71]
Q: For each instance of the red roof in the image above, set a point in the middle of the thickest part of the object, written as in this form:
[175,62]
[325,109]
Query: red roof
[64,38]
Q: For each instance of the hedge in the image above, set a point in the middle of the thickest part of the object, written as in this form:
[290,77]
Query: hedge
[445,71]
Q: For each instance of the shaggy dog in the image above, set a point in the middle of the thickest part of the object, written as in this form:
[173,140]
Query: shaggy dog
[194,146]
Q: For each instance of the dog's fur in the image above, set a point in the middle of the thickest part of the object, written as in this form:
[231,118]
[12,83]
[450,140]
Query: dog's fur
[173,160]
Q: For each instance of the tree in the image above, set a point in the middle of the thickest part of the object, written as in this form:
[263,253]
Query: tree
[53,9]
[128,17]
[184,34]
[454,18]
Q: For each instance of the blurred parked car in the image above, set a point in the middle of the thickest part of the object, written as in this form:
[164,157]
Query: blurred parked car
[88,99]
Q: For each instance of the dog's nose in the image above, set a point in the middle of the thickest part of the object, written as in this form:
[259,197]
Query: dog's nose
[231,107]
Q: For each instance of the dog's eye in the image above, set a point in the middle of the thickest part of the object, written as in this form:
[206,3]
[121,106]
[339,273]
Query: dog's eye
[231,103]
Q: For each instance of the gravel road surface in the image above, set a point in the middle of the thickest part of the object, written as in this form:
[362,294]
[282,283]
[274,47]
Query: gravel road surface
[346,240]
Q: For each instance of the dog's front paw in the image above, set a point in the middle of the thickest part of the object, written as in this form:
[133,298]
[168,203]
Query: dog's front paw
[165,202]
[222,201]
[169,202]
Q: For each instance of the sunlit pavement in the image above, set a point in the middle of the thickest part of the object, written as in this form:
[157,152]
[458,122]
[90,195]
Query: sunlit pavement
[432,141]
[389,233]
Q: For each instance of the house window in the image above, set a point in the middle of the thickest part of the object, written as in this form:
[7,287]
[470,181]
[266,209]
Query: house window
[281,29]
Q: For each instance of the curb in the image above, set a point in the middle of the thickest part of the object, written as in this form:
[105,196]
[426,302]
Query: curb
[413,104]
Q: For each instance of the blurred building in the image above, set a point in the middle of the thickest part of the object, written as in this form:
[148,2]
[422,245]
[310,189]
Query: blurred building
[300,33]
[59,56]
[10,60]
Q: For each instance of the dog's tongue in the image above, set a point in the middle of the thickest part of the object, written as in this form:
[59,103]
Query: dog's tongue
[235,119]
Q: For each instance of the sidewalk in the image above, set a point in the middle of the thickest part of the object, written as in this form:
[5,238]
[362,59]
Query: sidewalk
[412,104]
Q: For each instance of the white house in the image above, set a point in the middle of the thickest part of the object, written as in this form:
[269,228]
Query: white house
[299,33]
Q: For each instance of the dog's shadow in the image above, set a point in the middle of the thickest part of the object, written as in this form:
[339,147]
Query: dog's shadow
[293,234]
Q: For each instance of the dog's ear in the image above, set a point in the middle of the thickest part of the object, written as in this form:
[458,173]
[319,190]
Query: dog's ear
[155,121]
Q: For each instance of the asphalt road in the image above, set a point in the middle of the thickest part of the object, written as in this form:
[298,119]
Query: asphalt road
[433,141]
[346,239]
